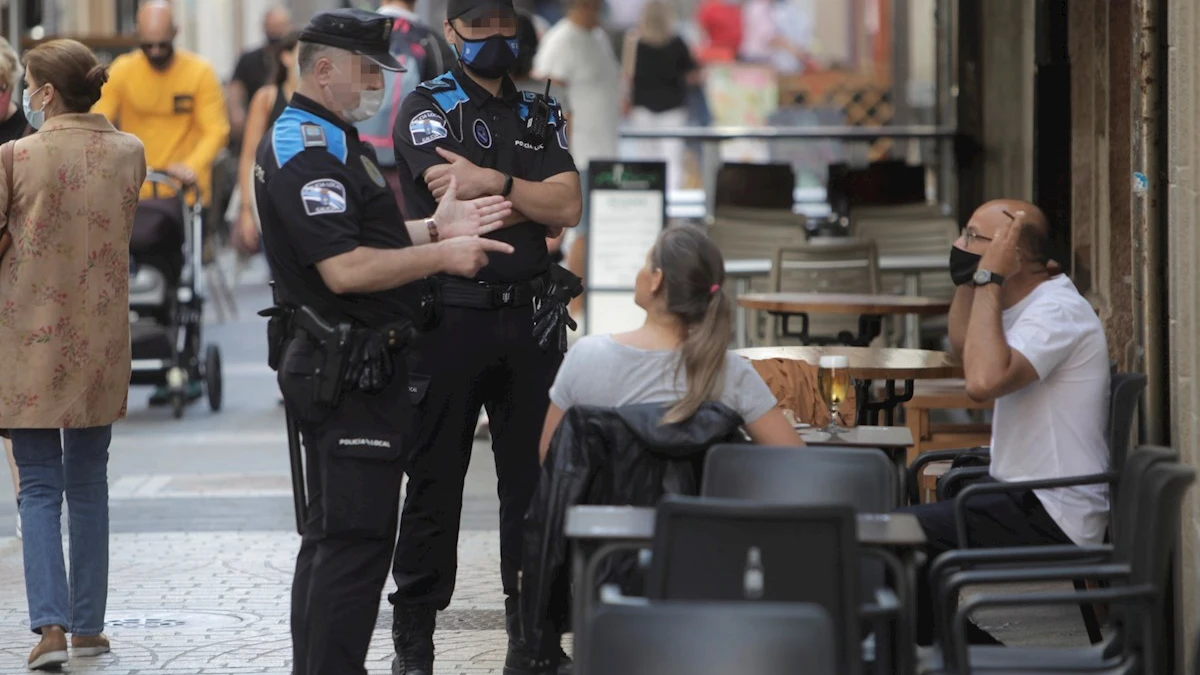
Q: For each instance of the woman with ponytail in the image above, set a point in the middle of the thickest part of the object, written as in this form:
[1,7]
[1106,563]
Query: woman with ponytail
[679,356]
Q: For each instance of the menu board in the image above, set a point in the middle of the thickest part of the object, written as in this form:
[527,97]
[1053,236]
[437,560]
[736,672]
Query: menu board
[626,213]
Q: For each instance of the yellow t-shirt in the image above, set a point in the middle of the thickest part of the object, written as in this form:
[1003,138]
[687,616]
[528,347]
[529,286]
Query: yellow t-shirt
[179,113]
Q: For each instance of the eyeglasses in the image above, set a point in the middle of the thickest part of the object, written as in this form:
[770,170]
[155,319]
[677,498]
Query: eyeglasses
[972,236]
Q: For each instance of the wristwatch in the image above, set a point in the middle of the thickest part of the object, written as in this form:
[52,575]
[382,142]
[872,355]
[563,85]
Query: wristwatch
[431,225]
[985,277]
[508,181]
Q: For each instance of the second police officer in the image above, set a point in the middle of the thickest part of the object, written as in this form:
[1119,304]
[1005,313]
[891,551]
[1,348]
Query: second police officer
[499,339]
[343,259]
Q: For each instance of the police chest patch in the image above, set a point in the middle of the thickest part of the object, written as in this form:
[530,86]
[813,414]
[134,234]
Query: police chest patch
[562,136]
[426,127]
[323,197]
[483,135]
[373,171]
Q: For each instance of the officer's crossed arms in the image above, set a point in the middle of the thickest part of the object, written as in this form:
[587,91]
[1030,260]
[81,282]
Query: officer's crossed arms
[554,202]
[460,250]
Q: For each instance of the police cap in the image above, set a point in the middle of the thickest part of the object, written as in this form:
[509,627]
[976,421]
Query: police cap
[355,30]
[469,10]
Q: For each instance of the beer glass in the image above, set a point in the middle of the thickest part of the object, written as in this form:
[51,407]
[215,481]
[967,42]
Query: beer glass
[833,379]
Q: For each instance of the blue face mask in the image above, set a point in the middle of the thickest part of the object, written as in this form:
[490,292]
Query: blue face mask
[491,57]
[36,118]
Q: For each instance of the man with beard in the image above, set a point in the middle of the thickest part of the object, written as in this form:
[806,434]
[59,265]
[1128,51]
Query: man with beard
[171,100]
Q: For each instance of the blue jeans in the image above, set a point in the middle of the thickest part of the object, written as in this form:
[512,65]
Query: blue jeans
[74,461]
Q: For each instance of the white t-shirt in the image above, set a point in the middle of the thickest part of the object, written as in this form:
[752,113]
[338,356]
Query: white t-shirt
[585,61]
[1056,427]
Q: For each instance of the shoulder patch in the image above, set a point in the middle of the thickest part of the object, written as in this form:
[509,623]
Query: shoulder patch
[323,196]
[426,127]
[313,135]
[438,83]
[447,93]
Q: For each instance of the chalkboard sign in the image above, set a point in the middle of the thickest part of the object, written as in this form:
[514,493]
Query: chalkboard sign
[627,209]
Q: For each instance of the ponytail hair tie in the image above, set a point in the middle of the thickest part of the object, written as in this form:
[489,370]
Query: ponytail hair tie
[714,288]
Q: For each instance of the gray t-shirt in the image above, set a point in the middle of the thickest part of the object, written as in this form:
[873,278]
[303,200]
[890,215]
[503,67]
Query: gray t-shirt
[600,371]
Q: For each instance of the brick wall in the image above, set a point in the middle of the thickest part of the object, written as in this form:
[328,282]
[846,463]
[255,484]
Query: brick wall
[1183,258]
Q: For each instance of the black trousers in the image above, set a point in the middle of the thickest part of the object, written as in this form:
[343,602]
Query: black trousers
[474,358]
[993,521]
[355,467]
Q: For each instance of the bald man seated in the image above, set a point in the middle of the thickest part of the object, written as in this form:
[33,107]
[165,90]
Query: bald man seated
[1032,344]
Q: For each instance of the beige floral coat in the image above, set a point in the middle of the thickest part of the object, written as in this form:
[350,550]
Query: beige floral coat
[64,284]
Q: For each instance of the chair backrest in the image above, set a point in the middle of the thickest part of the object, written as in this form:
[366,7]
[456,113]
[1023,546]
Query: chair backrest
[1125,393]
[922,210]
[755,185]
[1162,495]
[861,478]
[827,266]
[761,216]
[911,236]
[742,238]
[694,638]
[710,549]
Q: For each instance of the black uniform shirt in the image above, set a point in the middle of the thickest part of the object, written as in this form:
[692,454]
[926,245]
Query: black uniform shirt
[453,112]
[320,194]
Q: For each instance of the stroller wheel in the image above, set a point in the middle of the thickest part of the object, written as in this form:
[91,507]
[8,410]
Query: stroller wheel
[178,402]
[212,377]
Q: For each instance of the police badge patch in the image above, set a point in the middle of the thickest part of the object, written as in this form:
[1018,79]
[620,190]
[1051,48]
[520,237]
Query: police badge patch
[426,127]
[323,196]
[483,135]
[373,171]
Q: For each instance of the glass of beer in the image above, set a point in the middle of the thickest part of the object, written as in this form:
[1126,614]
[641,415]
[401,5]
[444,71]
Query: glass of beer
[833,379]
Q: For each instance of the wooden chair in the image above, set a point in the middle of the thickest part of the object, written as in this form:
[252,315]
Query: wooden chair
[930,395]
[834,265]
[911,236]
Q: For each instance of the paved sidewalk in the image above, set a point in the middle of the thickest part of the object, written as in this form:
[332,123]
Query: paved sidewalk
[218,602]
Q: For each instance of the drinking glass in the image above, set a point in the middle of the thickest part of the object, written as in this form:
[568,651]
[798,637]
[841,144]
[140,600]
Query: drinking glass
[833,379]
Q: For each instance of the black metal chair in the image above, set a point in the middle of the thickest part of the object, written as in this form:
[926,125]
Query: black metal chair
[1124,394]
[711,549]
[1138,566]
[695,638]
[861,478]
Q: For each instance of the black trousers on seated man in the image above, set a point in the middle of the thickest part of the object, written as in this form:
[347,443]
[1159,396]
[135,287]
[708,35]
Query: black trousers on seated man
[355,467]
[474,358]
[993,521]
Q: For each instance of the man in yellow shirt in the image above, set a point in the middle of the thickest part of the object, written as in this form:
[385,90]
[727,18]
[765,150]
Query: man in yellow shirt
[170,99]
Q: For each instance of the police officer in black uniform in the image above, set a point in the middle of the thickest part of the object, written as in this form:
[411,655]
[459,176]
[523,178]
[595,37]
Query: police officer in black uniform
[500,338]
[343,260]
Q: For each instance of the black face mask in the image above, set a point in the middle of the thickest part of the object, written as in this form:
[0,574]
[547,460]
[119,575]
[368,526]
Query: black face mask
[491,57]
[963,265]
[162,59]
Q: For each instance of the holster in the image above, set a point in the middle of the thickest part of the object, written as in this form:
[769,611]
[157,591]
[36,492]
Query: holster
[333,343]
[278,334]
[431,304]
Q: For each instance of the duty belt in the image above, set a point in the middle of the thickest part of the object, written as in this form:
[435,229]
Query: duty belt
[485,295]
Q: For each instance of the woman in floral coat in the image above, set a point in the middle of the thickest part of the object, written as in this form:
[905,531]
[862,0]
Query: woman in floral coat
[64,336]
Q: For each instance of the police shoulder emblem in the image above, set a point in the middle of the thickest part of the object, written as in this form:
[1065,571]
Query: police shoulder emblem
[313,135]
[373,171]
[483,135]
[426,127]
[323,196]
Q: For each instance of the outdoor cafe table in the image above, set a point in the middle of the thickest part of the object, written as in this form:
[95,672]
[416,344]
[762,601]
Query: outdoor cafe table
[870,308]
[911,266]
[867,364]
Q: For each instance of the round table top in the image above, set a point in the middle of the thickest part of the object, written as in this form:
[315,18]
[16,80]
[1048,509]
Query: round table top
[869,363]
[844,303]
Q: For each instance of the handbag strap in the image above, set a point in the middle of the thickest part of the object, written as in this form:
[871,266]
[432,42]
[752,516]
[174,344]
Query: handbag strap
[6,157]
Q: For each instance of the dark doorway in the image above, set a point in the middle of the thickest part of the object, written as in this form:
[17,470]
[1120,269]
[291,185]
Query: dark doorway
[1052,124]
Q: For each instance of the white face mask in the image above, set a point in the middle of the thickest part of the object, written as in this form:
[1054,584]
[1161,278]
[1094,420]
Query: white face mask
[369,104]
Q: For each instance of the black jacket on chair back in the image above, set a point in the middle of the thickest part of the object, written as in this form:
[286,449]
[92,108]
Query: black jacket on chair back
[614,457]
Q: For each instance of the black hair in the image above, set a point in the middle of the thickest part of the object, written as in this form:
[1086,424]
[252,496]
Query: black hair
[279,72]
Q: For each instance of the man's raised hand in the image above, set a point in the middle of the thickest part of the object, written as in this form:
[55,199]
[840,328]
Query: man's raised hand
[470,218]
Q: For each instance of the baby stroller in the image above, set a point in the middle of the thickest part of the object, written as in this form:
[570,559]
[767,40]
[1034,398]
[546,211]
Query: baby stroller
[166,297]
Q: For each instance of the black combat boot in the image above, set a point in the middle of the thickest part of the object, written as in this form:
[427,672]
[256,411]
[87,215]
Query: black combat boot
[412,633]
[521,660]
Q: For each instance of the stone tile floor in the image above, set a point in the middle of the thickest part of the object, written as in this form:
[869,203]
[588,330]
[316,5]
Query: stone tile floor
[217,602]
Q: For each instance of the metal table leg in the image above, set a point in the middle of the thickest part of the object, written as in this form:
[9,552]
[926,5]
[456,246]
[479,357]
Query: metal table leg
[868,410]
[741,329]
